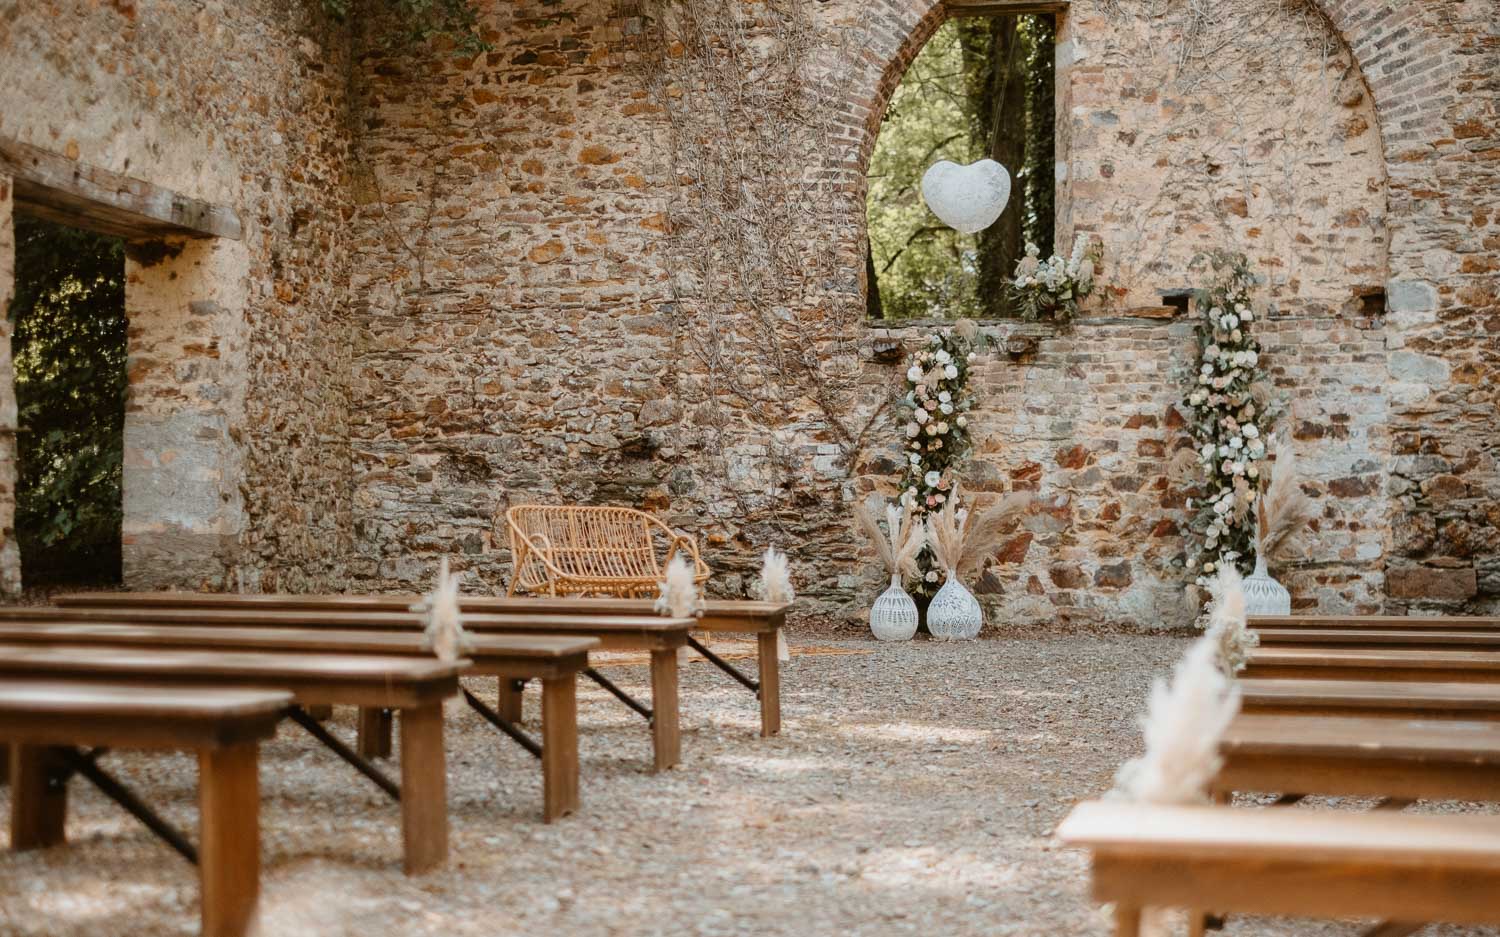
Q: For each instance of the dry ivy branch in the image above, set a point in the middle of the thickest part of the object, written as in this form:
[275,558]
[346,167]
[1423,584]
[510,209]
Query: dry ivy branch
[762,301]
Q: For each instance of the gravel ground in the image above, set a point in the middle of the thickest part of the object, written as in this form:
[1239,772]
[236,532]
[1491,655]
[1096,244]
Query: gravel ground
[913,791]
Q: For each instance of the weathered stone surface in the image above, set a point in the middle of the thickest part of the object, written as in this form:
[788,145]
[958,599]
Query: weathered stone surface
[465,289]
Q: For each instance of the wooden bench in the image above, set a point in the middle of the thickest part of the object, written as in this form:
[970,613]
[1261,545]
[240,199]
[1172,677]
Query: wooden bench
[1380,664]
[1406,869]
[1399,759]
[659,636]
[762,619]
[415,687]
[554,660]
[47,722]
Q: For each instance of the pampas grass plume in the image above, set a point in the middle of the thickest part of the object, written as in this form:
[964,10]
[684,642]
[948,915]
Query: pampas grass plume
[1183,725]
[445,635]
[679,593]
[775,583]
[1226,620]
[1284,509]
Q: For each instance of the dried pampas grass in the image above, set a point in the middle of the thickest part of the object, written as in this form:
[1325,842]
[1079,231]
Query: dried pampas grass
[775,583]
[1284,510]
[445,635]
[902,540]
[1226,620]
[954,532]
[1183,725]
[679,593]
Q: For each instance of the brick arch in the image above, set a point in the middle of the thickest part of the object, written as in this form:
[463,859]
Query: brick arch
[903,28]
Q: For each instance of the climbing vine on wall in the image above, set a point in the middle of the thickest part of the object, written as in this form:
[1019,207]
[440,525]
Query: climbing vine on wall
[418,21]
[766,312]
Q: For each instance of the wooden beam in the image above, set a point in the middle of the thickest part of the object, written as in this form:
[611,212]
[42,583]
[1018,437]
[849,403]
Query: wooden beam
[1003,7]
[55,188]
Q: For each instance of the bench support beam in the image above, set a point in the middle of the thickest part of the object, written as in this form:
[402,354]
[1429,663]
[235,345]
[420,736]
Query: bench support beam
[300,716]
[86,765]
[617,693]
[503,724]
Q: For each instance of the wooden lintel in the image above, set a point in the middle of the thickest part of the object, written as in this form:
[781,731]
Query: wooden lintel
[1003,7]
[53,187]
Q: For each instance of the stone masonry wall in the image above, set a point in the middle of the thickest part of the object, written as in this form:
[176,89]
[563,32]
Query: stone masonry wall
[238,467]
[528,334]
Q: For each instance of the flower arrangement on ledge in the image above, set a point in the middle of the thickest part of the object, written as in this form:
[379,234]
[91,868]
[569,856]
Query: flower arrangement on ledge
[934,415]
[1053,288]
[1230,408]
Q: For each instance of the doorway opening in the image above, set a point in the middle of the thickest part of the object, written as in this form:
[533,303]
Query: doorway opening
[69,351]
[982,87]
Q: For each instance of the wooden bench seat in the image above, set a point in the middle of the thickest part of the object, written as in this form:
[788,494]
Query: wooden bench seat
[1289,862]
[762,619]
[46,722]
[1400,759]
[1429,639]
[1378,622]
[415,687]
[555,660]
[659,636]
[1393,664]
[1378,699]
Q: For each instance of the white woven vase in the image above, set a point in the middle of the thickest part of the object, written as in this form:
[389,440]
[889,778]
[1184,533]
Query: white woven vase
[1264,595]
[954,614]
[894,616]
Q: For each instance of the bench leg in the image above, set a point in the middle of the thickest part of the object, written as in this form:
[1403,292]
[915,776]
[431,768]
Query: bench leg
[1197,924]
[374,732]
[1127,921]
[770,684]
[424,789]
[38,801]
[320,711]
[511,700]
[229,839]
[666,734]
[559,746]
[4,764]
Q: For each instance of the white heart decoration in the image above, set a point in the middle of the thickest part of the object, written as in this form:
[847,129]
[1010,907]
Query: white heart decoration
[966,198]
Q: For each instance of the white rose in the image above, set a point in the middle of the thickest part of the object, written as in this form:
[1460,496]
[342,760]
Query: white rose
[942,357]
[946,407]
[963,421]
[971,356]
[1249,430]
[1208,567]
[932,429]
[932,575]
[932,478]
[1208,450]
[913,373]
[1244,314]
[1253,471]
[942,427]
[1253,358]
[945,396]
[1235,443]
[912,429]
[920,416]
[950,372]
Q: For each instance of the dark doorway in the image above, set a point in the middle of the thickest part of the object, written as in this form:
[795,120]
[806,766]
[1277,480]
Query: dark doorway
[69,349]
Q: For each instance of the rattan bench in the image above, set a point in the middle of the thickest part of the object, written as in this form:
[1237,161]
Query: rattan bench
[593,550]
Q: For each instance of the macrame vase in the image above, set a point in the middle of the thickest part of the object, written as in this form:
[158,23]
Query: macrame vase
[894,617]
[954,613]
[1264,595]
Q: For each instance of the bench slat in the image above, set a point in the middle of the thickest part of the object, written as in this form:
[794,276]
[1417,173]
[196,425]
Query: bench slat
[1354,737]
[1471,842]
[1379,622]
[1360,637]
[67,712]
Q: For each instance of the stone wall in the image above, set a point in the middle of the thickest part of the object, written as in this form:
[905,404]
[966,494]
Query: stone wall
[535,314]
[238,467]
[571,268]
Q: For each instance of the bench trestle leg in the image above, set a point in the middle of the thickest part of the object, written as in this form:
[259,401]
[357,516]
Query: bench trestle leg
[666,735]
[374,732]
[559,747]
[229,805]
[770,683]
[38,797]
[424,779]
[511,699]
[1127,921]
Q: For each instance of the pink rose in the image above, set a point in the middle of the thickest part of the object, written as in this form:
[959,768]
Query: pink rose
[931,501]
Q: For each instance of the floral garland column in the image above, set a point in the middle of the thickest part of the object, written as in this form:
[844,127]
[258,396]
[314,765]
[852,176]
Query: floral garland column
[934,410]
[1230,406]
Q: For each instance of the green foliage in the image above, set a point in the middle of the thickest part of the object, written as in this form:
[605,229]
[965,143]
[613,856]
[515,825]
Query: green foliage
[419,21]
[69,349]
[979,88]
[924,267]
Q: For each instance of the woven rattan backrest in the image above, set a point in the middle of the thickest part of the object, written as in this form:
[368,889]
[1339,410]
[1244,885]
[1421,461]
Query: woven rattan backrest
[584,542]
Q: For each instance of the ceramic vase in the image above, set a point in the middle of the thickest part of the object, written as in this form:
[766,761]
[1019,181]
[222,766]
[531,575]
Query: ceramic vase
[1264,595]
[954,614]
[894,616]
